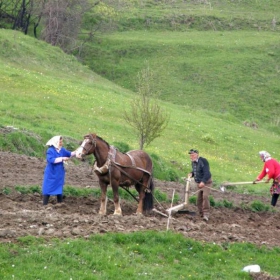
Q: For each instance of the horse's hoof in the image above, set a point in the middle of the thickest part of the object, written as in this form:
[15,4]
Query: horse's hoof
[118,213]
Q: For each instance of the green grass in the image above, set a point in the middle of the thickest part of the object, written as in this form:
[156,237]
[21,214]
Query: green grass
[53,94]
[148,255]
[226,73]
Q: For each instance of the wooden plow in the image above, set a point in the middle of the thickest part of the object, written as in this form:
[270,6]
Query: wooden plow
[182,208]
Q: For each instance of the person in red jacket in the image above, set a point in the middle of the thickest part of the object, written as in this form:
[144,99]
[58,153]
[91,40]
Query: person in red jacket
[271,169]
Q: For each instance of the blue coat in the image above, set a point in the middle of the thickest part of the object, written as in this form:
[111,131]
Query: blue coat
[54,173]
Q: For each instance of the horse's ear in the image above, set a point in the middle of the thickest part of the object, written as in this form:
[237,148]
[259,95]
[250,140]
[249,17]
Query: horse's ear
[92,137]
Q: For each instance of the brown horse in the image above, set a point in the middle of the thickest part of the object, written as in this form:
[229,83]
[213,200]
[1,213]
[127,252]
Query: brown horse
[118,169]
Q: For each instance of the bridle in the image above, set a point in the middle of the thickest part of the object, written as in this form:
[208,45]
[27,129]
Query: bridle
[93,144]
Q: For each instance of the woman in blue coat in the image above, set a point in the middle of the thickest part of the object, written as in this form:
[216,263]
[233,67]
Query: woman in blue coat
[54,173]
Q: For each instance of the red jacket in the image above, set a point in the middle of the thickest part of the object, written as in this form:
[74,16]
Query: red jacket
[271,169]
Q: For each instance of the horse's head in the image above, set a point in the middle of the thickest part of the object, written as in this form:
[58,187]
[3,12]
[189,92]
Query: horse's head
[87,146]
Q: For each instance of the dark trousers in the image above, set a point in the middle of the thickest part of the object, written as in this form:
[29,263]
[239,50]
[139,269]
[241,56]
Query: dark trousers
[274,199]
[46,199]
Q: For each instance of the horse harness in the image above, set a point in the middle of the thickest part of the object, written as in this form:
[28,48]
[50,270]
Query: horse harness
[111,161]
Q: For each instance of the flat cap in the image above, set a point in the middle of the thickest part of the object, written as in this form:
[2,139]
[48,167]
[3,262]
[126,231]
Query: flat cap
[193,151]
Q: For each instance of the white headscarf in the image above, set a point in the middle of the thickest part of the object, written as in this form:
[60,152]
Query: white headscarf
[54,142]
[265,155]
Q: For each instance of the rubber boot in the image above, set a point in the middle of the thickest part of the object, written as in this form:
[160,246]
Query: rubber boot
[59,198]
[274,199]
[46,199]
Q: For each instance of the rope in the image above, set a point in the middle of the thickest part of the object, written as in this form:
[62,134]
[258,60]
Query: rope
[158,202]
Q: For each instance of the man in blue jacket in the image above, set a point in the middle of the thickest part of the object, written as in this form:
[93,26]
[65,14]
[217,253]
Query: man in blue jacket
[202,176]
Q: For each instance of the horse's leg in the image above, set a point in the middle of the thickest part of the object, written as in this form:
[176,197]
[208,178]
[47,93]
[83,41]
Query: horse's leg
[141,190]
[103,199]
[115,188]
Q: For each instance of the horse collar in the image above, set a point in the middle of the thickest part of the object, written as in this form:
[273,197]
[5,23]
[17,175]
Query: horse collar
[111,157]
[103,169]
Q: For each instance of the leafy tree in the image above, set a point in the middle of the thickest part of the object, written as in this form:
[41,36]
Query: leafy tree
[145,115]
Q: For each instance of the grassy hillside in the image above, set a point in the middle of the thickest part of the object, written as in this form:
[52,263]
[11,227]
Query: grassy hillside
[229,72]
[47,93]
[222,56]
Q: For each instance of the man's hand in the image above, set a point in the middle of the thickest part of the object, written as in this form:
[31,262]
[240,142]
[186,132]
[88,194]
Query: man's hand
[201,185]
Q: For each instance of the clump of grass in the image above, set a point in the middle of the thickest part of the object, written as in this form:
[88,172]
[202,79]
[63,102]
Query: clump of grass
[227,204]
[192,199]
[212,201]
[35,189]
[224,203]
[22,189]
[6,190]
[218,204]
[208,138]
[258,206]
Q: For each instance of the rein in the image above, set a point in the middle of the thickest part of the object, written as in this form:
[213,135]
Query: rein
[131,166]
[111,162]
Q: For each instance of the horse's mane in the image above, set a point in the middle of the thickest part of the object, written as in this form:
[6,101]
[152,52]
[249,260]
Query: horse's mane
[93,135]
[103,141]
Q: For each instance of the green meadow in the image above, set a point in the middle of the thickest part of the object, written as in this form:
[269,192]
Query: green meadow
[50,93]
[217,68]
[150,255]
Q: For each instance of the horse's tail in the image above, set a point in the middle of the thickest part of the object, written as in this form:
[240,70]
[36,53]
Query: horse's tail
[148,203]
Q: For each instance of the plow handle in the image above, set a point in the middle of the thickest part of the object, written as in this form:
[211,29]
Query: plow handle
[187,190]
[241,183]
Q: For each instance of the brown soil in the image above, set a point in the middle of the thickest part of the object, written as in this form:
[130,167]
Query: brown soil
[23,215]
